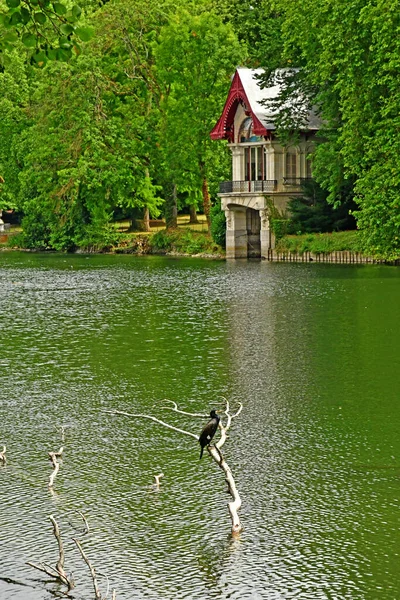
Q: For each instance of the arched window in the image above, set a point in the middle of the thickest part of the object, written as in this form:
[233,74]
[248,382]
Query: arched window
[246,133]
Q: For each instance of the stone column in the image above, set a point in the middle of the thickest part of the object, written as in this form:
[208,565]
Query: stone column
[237,163]
[267,238]
[270,163]
[236,233]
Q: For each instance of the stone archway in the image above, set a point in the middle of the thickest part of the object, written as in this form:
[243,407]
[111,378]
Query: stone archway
[248,233]
[253,225]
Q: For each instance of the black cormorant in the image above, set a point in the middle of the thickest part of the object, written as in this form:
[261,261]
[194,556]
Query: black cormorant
[208,431]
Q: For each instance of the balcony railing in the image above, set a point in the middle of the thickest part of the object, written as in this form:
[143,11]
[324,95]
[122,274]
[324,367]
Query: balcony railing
[265,185]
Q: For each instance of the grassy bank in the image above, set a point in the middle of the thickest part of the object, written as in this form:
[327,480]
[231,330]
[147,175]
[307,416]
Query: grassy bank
[177,241]
[321,243]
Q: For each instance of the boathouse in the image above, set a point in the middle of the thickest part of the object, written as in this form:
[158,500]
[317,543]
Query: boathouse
[265,173]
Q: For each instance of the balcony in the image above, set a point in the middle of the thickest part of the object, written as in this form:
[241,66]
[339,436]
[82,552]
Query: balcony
[261,186]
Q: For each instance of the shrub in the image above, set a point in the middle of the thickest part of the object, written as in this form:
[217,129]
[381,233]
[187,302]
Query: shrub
[312,213]
[280,227]
[182,242]
[218,225]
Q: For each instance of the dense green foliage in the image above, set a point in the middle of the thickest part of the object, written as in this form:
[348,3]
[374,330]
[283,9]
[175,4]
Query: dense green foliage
[349,52]
[122,125]
[312,213]
[194,59]
[49,30]
[109,107]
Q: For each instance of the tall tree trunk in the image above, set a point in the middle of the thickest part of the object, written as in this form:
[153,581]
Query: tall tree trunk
[206,202]
[146,219]
[146,212]
[193,214]
[171,209]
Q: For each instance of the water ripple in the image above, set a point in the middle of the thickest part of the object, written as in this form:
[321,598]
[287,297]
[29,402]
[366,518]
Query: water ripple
[314,454]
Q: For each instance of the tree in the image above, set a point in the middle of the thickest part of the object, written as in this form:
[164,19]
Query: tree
[195,56]
[349,57]
[49,30]
[311,213]
[14,94]
[128,32]
[79,158]
[89,144]
[257,24]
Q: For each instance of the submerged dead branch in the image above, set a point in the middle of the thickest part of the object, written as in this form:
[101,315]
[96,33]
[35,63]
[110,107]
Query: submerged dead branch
[175,408]
[85,522]
[58,572]
[56,465]
[92,570]
[157,480]
[61,558]
[142,416]
[214,451]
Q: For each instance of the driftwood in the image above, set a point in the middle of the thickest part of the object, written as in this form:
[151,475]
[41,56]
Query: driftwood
[3,455]
[58,572]
[214,450]
[56,465]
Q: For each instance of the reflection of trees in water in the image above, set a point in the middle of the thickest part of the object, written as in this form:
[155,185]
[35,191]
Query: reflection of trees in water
[215,559]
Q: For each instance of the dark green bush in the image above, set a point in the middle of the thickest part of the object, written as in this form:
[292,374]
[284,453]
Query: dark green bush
[218,225]
[311,213]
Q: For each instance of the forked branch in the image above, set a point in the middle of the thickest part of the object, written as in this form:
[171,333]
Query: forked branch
[215,452]
[175,408]
[58,572]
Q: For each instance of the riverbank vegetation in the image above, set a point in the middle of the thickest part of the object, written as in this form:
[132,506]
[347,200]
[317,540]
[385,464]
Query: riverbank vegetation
[172,242]
[321,243]
[106,109]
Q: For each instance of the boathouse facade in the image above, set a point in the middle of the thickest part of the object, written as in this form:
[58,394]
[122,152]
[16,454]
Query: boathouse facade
[265,174]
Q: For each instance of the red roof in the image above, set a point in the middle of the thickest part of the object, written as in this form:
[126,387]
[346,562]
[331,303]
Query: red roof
[224,127]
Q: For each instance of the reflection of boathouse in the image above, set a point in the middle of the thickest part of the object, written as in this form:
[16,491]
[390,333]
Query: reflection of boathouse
[264,172]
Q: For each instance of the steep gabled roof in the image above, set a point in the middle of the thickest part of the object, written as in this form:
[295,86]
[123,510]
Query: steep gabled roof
[245,89]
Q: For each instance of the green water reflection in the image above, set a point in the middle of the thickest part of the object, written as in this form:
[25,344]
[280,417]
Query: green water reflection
[313,353]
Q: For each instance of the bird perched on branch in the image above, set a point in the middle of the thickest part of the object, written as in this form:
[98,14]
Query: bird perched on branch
[208,431]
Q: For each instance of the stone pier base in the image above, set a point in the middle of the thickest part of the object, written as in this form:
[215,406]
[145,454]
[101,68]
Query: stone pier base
[247,236]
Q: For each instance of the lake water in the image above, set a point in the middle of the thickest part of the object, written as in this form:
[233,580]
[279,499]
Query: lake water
[312,352]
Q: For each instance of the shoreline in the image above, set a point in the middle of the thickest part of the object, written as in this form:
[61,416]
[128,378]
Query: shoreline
[342,257]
